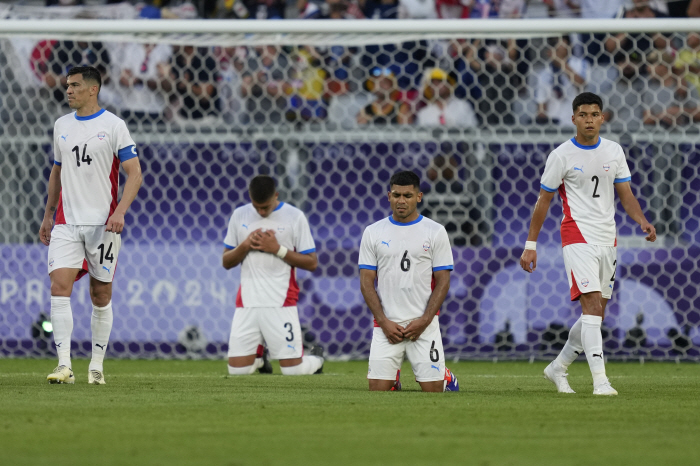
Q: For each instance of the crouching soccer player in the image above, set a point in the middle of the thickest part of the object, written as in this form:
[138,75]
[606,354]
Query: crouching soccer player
[410,258]
[270,239]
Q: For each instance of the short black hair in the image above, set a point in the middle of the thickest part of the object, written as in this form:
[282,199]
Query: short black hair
[587,98]
[262,188]
[90,73]
[404,178]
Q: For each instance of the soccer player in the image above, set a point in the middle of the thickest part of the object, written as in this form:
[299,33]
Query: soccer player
[586,170]
[270,239]
[410,257]
[89,146]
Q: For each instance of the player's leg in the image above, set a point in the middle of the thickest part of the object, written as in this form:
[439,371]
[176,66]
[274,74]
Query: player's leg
[244,341]
[385,361]
[102,252]
[65,259]
[427,358]
[282,332]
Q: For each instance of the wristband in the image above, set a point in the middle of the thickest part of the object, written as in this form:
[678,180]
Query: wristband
[531,245]
[282,252]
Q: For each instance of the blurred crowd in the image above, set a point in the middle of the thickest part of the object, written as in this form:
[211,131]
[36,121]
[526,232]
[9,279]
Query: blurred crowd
[644,78]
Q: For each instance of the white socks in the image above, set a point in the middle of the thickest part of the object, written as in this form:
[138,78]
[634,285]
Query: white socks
[101,325]
[247,370]
[309,365]
[592,340]
[572,348]
[62,322]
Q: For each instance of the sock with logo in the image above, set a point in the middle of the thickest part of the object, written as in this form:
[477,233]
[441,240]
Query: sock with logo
[246,370]
[101,325]
[62,322]
[572,348]
[309,365]
[593,346]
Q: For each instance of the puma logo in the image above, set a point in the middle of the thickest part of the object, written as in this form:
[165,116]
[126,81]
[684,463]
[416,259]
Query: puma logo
[63,137]
[101,346]
[598,355]
[577,353]
[386,242]
[580,169]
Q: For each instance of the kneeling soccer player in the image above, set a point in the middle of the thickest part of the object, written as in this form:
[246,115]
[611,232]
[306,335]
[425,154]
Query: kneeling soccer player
[410,257]
[269,239]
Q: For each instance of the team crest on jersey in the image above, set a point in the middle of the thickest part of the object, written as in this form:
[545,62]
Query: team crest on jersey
[51,262]
[585,282]
[606,166]
[426,246]
[101,135]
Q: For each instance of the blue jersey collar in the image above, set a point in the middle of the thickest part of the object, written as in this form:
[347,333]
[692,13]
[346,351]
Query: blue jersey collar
[580,146]
[89,117]
[391,219]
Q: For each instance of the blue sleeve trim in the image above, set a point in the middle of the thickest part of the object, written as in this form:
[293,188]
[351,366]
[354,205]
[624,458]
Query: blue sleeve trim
[308,251]
[622,180]
[57,163]
[127,153]
[229,247]
[547,188]
[444,267]
[368,267]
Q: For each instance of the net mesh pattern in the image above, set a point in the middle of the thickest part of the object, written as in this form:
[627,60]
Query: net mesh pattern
[474,117]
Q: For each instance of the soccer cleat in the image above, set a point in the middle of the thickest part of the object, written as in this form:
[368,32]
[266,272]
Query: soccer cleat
[266,367]
[96,378]
[558,378]
[317,350]
[397,384]
[62,374]
[451,384]
[604,389]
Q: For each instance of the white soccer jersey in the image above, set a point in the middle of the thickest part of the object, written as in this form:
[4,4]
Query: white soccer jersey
[266,280]
[584,176]
[405,255]
[88,150]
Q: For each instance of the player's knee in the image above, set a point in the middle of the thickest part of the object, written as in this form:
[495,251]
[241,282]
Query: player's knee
[61,289]
[247,370]
[101,295]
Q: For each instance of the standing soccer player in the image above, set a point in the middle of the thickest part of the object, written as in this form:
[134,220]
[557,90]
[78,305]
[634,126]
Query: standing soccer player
[269,239]
[89,146]
[584,170]
[410,257]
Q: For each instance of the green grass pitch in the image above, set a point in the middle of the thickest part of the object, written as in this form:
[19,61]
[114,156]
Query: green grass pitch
[191,412]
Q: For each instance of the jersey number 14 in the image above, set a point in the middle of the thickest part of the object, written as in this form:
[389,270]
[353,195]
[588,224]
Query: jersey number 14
[85,158]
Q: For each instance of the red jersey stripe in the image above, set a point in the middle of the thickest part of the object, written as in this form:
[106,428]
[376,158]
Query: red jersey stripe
[570,233]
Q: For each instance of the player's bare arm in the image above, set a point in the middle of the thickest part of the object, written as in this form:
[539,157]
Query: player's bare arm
[51,205]
[442,285]
[267,242]
[528,260]
[392,330]
[634,210]
[233,257]
[132,168]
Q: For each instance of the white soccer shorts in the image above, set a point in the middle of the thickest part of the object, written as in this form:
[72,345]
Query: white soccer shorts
[72,244]
[425,355]
[590,268]
[278,326]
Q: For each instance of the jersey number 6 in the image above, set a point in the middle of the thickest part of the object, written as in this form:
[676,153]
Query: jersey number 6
[405,262]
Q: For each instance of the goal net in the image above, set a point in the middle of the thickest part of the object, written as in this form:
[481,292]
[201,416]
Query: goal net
[331,110]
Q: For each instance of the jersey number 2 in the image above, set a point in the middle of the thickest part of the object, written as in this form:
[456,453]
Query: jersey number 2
[85,159]
[595,188]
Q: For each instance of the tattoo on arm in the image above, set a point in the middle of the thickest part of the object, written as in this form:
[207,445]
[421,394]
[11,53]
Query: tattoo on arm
[52,208]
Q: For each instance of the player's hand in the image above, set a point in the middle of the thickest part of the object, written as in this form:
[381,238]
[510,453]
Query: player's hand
[649,228]
[115,223]
[45,230]
[393,331]
[529,257]
[415,328]
[249,240]
[265,241]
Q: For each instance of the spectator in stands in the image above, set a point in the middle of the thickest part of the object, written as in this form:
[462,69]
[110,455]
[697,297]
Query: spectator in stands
[346,100]
[308,101]
[559,83]
[688,60]
[256,9]
[231,68]
[453,9]
[387,108]
[442,108]
[309,10]
[693,10]
[343,9]
[593,9]
[59,57]
[642,43]
[622,89]
[493,63]
[563,8]
[194,74]
[267,83]
[380,9]
[497,8]
[668,99]
[143,72]
[417,9]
